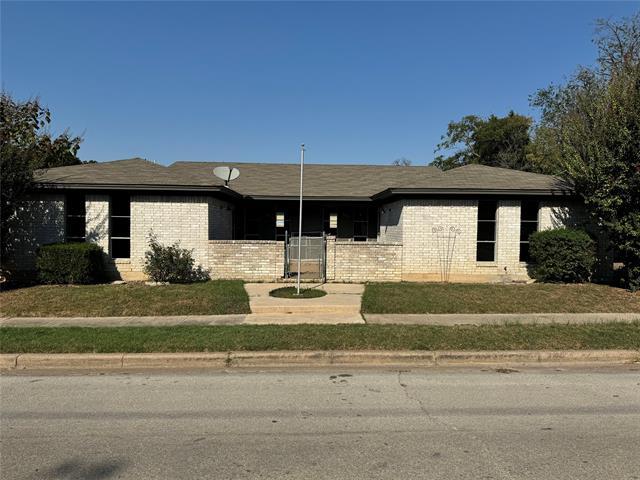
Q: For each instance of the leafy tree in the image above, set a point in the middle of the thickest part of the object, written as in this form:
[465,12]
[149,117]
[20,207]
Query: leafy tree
[402,162]
[495,141]
[591,127]
[25,146]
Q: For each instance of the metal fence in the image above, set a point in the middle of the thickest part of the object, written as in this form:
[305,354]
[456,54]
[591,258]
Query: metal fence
[312,255]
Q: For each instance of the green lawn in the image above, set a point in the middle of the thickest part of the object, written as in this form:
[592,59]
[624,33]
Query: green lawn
[490,298]
[318,337]
[207,298]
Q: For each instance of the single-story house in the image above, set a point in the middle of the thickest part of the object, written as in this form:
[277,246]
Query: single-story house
[364,222]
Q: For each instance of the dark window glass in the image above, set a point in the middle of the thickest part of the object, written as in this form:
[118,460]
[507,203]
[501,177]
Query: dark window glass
[486,244]
[487,210]
[360,231]
[75,227]
[486,252]
[528,225]
[75,224]
[75,204]
[487,231]
[120,248]
[360,224]
[529,211]
[120,226]
[526,229]
[120,206]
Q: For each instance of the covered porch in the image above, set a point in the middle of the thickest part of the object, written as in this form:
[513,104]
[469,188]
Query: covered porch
[278,220]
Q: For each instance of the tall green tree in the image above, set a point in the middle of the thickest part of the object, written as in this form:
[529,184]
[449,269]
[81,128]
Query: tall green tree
[26,145]
[494,141]
[590,132]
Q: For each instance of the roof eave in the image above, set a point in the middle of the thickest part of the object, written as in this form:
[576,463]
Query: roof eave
[309,198]
[139,187]
[391,192]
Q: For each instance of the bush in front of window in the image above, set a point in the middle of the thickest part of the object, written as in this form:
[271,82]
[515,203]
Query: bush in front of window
[171,263]
[64,263]
[563,255]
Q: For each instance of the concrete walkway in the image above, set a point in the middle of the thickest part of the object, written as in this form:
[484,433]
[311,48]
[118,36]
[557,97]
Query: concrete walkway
[341,299]
[321,319]
[498,318]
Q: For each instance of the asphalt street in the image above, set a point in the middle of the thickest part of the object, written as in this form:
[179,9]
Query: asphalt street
[334,424]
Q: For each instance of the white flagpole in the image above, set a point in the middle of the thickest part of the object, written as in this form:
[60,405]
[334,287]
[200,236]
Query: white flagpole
[300,214]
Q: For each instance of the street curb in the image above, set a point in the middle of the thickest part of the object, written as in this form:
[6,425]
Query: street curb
[283,359]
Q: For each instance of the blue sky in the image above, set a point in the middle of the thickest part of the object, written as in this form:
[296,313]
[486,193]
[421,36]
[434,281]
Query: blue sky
[357,82]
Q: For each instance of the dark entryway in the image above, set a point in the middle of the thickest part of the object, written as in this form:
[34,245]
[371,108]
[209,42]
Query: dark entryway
[256,220]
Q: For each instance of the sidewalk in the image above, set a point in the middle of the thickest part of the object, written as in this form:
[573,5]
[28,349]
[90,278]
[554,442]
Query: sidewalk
[497,318]
[321,319]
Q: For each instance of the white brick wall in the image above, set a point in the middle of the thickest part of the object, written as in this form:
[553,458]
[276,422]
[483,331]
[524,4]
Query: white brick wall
[428,254]
[508,239]
[253,260]
[425,249]
[39,220]
[171,218]
[363,261]
[558,213]
[97,220]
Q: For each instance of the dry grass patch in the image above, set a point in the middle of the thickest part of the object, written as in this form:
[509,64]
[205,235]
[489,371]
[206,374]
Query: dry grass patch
[132,299]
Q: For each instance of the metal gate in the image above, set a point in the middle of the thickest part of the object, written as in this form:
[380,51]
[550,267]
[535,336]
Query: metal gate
[313,255]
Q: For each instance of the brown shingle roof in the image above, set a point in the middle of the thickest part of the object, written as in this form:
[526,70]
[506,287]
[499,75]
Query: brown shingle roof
[260,180]
[482,177]
[283,180]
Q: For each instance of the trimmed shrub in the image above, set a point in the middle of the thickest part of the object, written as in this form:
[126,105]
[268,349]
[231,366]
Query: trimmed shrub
[562,255]
[170,263]
[62,263]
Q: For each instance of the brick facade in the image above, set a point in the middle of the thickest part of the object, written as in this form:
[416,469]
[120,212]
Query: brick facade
[363,261]
[439,238]
[176,218]
[418,239]
[39,220]
[253,260]
[97,220]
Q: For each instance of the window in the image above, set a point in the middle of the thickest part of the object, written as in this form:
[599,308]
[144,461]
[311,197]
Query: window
[486,244]
[528,225]
[360,224]
[120,226]
[76,218]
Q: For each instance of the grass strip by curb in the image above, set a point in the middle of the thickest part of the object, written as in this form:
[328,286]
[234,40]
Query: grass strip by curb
[318,337]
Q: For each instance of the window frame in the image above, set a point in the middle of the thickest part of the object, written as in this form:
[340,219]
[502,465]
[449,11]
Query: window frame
[111,217]
[355,221]
[527,222]
[494,222]
[68,198]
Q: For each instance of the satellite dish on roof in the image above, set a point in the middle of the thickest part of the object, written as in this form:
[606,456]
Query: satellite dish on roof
[227,174]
